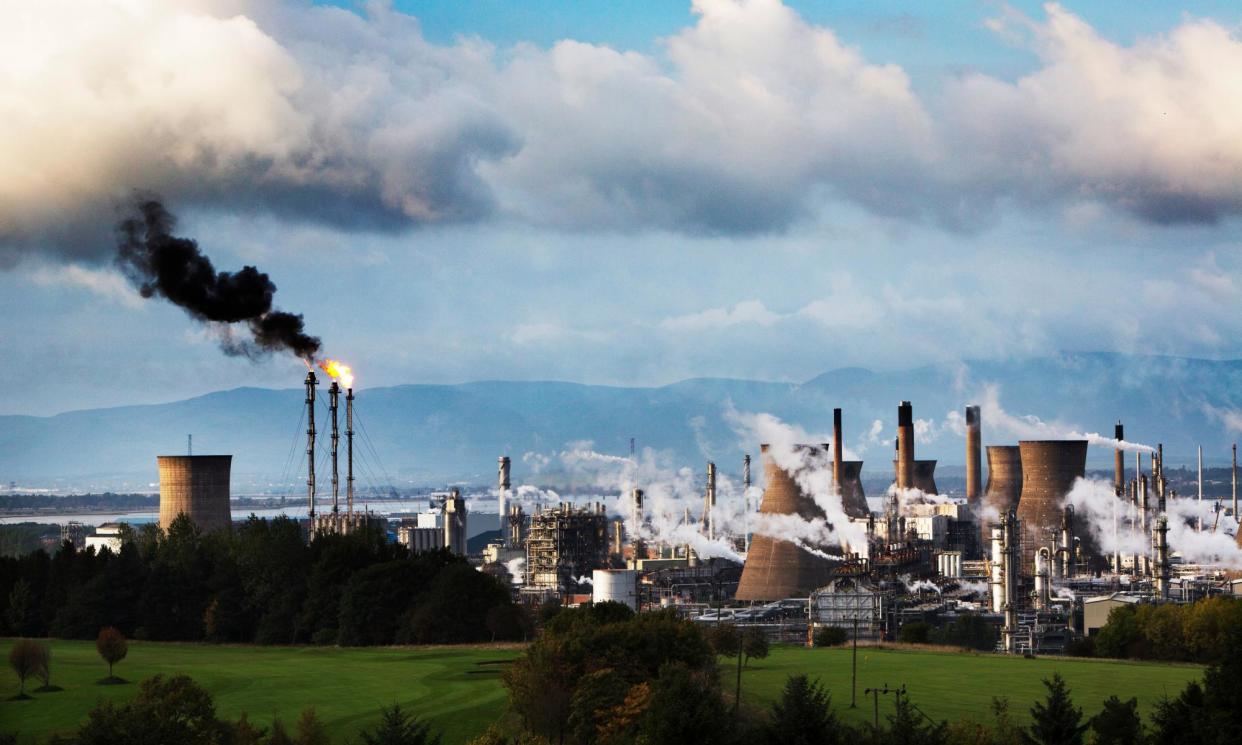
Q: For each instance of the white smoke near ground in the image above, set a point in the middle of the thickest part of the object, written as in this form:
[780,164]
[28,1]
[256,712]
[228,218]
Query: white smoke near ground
[1064,593]
[1111,522]
[1031,427]
[584,580]
[976,587]
[917,586]
[516,568]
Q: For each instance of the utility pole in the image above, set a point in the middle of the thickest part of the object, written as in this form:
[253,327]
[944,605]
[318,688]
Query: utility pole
[854,674]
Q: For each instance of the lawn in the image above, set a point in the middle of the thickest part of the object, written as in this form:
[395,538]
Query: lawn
[949,685]
[456,688]
[459,691]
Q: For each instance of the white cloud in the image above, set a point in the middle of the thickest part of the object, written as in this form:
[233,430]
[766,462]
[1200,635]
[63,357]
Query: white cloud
[749,311]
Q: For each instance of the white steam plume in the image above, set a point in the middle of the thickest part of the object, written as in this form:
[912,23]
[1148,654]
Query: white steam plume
[1030,427]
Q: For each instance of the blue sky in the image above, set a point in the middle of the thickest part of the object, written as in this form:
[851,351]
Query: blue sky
[624,193]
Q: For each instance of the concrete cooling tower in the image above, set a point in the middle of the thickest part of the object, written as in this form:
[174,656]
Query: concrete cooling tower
[1049,469]
[777,569]
[198,486]
[853,498]
[923,475]
[1004,479]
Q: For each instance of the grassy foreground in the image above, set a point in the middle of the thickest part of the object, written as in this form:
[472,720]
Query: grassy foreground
[959,685]
[458,688]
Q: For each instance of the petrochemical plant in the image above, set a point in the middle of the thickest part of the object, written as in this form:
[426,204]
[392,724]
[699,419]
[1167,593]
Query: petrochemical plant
[811,551]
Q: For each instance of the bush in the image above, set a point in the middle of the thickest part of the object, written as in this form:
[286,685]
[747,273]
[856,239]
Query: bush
[830,636]
[915,632]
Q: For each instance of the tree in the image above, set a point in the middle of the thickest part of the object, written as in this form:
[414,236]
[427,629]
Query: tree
[166,710]
[26,658]
[1177,721]
[684,707]
[397,727]
[1056,721]
[803,715]
[44,670]
[723,638]
[915,632]
[1119,635]
[1118,723]
[508,621]
[908,726]
[311,730]
[830,636]
[112,647]
[754,644]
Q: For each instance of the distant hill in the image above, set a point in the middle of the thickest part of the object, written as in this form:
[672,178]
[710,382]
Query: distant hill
[434,434]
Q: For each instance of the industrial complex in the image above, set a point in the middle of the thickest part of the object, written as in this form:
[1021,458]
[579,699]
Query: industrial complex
[1018,549]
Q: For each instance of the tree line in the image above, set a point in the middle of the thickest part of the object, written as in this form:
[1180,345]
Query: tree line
[1194,632]
[259,582]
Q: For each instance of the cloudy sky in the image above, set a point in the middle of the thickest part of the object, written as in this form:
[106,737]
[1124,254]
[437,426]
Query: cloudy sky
[620,192]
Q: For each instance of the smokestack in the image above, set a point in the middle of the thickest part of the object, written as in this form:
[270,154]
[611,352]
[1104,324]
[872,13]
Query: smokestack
[1237,518]
[502,490]
[974,467]
[709,517]
[1199,524]
[311,382]
[905,446]
[837,474]
[349,450]
[1161,539]
[334,395]
[1119,461]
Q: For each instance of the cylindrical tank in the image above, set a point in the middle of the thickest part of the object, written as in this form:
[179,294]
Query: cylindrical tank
[198,486]
[776,569]
[1049,469]
[615,585]
[853,498]
[974,468]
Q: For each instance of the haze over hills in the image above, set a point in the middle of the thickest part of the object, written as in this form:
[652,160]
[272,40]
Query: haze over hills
[432,434]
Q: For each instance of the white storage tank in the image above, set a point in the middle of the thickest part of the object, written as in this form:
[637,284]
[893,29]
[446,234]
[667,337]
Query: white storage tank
[617,585]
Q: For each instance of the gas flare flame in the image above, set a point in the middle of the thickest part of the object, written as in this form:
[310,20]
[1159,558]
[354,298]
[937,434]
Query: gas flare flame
[339,371]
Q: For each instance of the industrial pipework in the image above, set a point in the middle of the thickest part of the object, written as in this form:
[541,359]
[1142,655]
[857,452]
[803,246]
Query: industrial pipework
[334,394]
[311,382]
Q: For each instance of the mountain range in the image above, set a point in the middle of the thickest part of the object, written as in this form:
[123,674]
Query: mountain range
[428,435]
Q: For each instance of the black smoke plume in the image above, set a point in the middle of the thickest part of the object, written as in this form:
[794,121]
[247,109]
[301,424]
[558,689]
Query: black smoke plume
[160,263]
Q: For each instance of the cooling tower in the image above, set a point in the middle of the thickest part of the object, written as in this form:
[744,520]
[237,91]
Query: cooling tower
[923,477]
[777,569]
[1049,469]
[853,498]
[1004,479]
[198,486]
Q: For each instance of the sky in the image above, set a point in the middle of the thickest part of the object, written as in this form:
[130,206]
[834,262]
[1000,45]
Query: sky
[619,193]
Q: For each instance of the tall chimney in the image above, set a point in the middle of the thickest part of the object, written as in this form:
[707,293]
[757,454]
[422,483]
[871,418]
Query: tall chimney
[974,466]
[836,451]
[349,450]
[709,506]
[1119,461]
[1199,524]
[311,381]
[502,492]
[334,396]
[905,446]
[1236,517]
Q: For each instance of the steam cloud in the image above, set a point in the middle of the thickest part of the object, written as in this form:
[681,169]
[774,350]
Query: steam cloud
[160,263]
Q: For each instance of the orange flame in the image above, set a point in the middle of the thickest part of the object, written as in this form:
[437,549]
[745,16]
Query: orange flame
[339,371]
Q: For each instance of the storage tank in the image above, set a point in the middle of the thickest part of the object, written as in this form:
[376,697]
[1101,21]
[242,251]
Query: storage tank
[615,585]
[1049,469]
[198,486]
[776,569]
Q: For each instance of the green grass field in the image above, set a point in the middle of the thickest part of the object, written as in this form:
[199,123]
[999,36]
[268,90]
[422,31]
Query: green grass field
[459,691]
